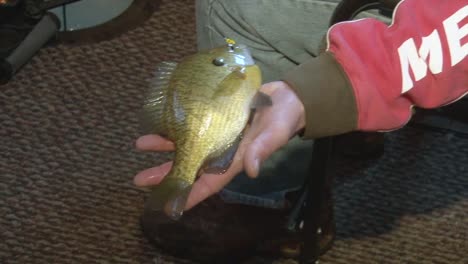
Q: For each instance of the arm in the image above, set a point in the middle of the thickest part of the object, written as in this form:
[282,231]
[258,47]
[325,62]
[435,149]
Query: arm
[356,84]
[372,74]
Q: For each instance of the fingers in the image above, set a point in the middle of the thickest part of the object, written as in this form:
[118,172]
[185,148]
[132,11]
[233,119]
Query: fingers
[209,184]
[152,176]
[154,143]
[204,187]
[273,127]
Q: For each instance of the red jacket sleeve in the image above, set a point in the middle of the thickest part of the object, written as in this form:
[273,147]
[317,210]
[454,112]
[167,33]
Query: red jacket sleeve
[420,59]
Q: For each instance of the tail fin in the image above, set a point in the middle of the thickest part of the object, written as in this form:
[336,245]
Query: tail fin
[170,196]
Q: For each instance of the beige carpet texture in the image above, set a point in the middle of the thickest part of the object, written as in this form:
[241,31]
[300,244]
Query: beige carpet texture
[68,123]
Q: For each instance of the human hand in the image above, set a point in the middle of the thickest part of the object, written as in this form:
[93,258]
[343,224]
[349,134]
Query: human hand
[271,128]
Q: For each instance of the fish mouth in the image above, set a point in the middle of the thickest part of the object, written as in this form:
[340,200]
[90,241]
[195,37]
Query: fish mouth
[241,55]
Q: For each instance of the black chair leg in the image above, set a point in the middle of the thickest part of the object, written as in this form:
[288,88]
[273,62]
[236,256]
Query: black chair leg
[319,189]
[314,209]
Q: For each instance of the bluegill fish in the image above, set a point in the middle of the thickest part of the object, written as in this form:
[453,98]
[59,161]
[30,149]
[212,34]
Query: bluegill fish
[202,104]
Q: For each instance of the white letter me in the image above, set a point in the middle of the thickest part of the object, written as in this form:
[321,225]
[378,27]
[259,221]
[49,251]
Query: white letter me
[454,35]
[431,47]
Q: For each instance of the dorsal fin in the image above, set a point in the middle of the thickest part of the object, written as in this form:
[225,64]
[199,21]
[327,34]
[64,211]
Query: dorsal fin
[155,100]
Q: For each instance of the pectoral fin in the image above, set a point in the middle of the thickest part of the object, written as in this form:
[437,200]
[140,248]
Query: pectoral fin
[220,164]
[261,100]
[151,118]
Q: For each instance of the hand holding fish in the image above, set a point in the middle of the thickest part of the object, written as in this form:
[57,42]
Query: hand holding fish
[270,129]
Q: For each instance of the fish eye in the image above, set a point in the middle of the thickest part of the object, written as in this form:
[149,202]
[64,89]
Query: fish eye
[219,61]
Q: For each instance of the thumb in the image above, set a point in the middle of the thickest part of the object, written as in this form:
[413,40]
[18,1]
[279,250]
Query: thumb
[265,144]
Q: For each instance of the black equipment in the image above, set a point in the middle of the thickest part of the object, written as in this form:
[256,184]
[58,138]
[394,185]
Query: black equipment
[25,27]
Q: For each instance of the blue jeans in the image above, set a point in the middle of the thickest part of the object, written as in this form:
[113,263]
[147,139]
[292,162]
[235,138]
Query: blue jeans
[281,34]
